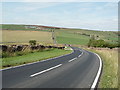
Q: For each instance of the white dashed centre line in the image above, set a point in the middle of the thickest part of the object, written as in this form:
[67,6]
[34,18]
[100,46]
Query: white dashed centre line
[72,60]
[80,55]
[45,70]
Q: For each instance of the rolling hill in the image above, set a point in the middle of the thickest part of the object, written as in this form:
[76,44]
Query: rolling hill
[63,35]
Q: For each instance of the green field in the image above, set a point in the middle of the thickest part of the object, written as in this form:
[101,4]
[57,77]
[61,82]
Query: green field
[66,37]
[33,57]
[81,37]
[10,36]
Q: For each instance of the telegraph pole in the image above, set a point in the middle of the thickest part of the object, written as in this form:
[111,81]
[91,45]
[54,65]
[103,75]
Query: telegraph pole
[53,36]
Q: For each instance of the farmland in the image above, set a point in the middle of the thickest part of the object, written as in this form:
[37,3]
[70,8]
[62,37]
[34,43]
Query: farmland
[81,37]
[10,36]
[71,38]
[19,34]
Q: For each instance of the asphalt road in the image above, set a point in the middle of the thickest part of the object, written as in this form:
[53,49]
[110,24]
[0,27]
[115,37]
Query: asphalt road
[76,70]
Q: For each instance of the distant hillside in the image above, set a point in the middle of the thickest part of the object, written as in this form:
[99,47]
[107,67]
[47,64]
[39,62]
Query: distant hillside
[80,36]
[68,36]
[27,27]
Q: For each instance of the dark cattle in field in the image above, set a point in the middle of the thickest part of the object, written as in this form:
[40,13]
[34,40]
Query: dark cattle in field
[4,48]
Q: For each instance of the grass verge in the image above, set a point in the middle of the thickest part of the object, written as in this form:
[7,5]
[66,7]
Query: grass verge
[109,78]
[33,57]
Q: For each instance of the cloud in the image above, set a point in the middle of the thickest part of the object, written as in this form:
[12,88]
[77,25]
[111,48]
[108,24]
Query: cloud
[92,24]
[34,6]
[78,15]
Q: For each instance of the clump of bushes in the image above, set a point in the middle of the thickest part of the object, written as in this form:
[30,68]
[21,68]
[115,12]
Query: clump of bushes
[32,42]
[12,54]
[101,43]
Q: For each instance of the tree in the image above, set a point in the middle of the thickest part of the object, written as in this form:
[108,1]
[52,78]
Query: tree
[91,41]
[97,43]
[32,42]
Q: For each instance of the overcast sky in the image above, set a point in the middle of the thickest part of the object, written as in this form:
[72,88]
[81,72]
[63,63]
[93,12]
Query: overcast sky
[86,15]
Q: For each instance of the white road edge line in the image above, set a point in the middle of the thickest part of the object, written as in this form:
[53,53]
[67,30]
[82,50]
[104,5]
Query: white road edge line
[36,62]
[72,60]
[45,70]
[98,74]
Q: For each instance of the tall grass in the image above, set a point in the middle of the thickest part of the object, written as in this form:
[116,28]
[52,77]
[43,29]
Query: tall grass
[119,70]
[109,77]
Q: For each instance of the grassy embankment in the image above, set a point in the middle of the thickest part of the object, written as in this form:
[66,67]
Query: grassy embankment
[109,77]
[33,57]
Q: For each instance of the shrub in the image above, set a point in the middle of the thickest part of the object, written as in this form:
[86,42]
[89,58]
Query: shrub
[101,43]
[32,42]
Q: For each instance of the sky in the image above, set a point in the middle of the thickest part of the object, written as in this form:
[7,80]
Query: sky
[85,15]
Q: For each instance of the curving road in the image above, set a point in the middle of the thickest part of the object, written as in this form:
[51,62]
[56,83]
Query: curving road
[75,70]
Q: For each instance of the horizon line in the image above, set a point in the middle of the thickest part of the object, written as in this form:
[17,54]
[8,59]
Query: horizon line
[59,27]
